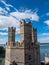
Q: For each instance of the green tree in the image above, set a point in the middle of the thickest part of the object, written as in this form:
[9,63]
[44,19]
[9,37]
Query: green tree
[2,50]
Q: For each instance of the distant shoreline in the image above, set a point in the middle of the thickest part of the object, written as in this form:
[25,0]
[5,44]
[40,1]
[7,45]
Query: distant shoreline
[41,44]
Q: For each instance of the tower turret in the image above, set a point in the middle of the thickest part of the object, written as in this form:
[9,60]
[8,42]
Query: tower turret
[11,35]
[26,31]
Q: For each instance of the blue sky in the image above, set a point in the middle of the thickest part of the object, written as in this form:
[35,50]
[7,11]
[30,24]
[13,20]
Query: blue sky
[12,11]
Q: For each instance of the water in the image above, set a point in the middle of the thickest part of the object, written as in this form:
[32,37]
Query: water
[44,50]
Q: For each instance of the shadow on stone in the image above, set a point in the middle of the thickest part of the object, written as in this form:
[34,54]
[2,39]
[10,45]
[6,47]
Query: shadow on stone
[47,64]
[42,63]
[13,63]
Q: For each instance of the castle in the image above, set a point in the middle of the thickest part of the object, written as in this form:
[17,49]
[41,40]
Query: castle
[27,52]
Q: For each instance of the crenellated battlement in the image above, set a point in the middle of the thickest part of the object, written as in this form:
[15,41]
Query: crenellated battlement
[21,45]
[17,45]
[11,28]
[23,22]
[26,30]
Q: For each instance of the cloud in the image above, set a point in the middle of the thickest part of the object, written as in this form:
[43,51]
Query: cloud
[44,39]
[46,22]
[7,6]
[13,18]
[3,40]
[43,34]
[47,14]
[9,19]
[26,14]
[3,33]
[3,11]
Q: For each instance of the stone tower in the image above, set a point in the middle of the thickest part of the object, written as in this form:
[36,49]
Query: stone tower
[27,51]
[26,31]
[31,46]
[11,35]
[9,45]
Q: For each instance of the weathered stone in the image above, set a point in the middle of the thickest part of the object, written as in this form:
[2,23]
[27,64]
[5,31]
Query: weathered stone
[27,52]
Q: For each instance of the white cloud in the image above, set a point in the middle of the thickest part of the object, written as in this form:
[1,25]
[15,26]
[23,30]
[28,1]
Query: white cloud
[44,39]
[4,29]
[22,15]
[7,5]
[3,33]
[47,22]
[3,11]
[26,14]
[47,14]
[7,8]
[9,19]
[13,18]
[3,40]
[43,34]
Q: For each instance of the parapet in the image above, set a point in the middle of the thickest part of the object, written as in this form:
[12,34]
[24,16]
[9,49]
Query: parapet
[23,22]
[11,28]
[16,45]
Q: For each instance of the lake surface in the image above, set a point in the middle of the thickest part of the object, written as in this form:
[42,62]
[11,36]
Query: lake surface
[44,49]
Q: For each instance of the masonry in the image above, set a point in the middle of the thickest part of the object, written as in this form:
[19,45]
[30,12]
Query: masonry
[25,52]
